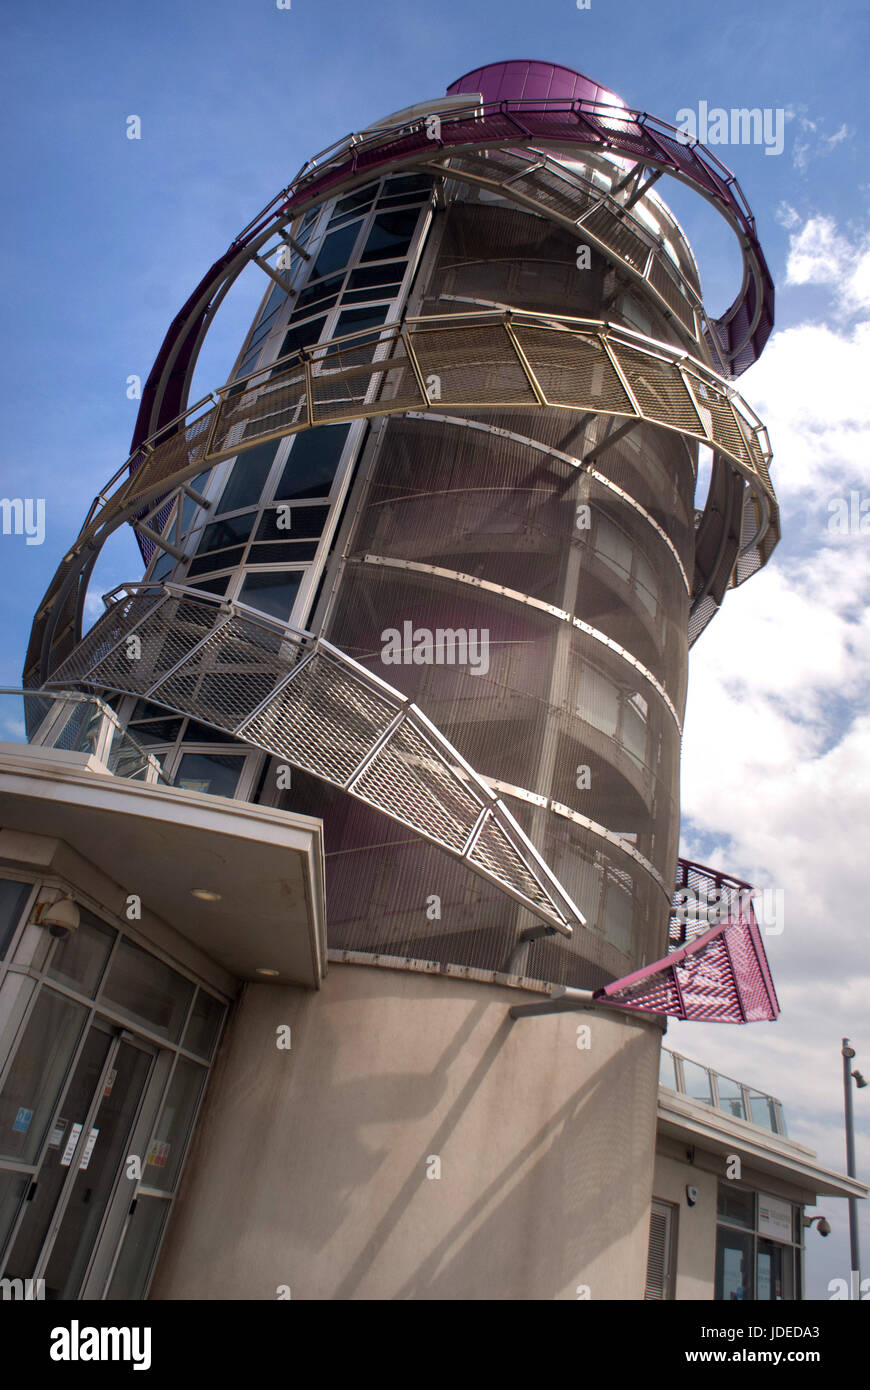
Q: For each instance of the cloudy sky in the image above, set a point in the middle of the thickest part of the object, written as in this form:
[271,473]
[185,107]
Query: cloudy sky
[104,238]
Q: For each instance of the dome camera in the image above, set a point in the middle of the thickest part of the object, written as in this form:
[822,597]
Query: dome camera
[61,918]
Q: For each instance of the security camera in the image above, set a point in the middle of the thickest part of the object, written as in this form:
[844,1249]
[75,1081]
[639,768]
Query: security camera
[62,918]
[824,1225]
[859,1080]
[691,1195]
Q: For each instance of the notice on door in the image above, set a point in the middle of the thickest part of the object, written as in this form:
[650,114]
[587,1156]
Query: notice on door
[57,1133]
[89,1149]
[66,1158]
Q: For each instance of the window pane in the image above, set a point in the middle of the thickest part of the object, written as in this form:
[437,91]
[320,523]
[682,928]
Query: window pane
[148,991]
[222,559]
[376,275]
[13,896]
[299,523]
[762,1110]
[33,1084]
[354,202]
[335,251]
[324,289]
[202,733]
[12,1189]
[390,235]
[214,586]
[157,731]
[667,1075]
[273,592]
[314,457]
[282,552]
[137,1253]
[734,1251]
[697,1082]
[215,773]
[80,960]
[270,308]
[736,1206]
[205,1024]
[163,565]
[250,472]
[355,320]
[730,1097]
[406,184]
[296,338]
[167,1149]
[223,533]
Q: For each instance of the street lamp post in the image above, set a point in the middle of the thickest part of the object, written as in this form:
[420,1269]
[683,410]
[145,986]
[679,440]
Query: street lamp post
[848,1054]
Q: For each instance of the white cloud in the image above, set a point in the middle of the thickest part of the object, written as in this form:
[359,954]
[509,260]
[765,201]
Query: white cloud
[810,387]
[776,758]
[820,255]
[810,141]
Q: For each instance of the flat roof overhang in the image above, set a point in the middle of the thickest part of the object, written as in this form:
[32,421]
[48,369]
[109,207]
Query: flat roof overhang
[162,842]
[695,1123]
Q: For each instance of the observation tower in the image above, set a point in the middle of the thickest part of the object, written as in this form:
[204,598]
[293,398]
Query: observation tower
[428,568]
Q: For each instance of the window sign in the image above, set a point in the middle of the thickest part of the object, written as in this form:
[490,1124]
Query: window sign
[21,1123]
[774,1217]
[71,1143]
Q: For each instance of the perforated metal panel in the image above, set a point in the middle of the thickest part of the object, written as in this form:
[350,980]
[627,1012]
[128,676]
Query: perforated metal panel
[231,662]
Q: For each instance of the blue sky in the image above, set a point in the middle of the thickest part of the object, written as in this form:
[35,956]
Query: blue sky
[105,237]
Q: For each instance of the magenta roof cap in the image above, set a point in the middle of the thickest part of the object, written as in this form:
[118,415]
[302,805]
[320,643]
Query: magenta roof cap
[522,78]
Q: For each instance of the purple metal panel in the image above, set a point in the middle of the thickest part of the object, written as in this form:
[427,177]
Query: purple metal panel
[721,977]
[525,79]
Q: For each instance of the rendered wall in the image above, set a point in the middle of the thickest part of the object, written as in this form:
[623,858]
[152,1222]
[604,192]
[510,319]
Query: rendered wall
[309,1165]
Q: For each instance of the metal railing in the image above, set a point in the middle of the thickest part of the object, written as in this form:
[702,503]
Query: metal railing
[712,1088]
[303,700]
[486,359]
[76,723]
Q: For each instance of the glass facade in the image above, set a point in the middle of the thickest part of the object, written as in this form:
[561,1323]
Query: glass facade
[758,1246]
[105,1049]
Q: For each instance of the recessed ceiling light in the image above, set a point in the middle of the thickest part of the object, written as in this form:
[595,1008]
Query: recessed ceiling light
[264,970]
[205,895]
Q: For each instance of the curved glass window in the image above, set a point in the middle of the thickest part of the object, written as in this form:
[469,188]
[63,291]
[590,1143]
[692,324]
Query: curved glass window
[390,235]
[314,457]
[273,592]
[355,320]
[216,773]
[310,298]
[225,533]
[299,337]
[245,483]
[287,523]
[336,250]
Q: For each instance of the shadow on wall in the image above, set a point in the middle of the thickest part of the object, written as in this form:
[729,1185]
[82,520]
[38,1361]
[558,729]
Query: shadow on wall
[309,1168]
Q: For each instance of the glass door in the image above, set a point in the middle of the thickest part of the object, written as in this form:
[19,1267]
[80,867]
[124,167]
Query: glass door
[86,1148]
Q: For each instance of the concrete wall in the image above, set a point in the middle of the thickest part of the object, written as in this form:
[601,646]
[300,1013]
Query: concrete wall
[696,1226]
[309,1165]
